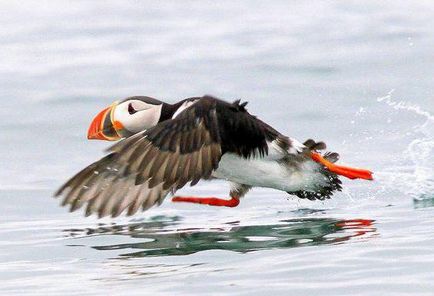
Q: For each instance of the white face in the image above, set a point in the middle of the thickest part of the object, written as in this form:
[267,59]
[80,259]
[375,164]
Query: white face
[136,115]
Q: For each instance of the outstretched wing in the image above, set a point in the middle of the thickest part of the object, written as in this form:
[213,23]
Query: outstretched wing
[142,169]
[106,190]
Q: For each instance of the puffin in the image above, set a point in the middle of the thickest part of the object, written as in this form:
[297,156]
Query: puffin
[162,147]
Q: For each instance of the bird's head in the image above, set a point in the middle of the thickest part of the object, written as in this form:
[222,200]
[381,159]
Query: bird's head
[125,118]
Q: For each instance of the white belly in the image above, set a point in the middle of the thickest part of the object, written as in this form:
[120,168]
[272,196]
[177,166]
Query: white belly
[266,172]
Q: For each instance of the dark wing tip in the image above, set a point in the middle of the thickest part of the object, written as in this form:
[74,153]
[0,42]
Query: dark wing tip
[58,192]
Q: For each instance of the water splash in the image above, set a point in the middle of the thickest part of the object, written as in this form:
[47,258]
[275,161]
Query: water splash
[417,180]
[402,105]
[421,152]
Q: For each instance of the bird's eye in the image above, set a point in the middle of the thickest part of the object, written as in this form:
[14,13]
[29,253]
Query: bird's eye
[131,109]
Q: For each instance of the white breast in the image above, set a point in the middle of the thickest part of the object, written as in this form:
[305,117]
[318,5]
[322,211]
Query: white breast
[270,171]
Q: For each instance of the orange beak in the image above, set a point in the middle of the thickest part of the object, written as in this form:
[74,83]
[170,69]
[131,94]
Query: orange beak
[103,127]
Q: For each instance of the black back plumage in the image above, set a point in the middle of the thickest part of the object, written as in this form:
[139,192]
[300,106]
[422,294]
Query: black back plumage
[241,133]
[229,125]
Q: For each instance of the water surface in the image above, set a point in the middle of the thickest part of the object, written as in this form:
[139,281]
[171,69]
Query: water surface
[357,75]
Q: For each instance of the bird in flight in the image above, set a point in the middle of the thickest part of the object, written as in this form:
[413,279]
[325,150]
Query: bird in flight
[162,147]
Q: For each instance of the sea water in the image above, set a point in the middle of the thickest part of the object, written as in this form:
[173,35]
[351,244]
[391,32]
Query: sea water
[357,75]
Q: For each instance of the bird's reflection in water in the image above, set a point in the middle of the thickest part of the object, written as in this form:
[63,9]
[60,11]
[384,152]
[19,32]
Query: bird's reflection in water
[161,237]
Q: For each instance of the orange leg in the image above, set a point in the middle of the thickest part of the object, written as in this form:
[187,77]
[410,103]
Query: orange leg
[351,173]
[212,201]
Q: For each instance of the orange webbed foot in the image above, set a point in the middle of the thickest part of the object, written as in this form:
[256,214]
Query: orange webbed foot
[351,173]
[211,201]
